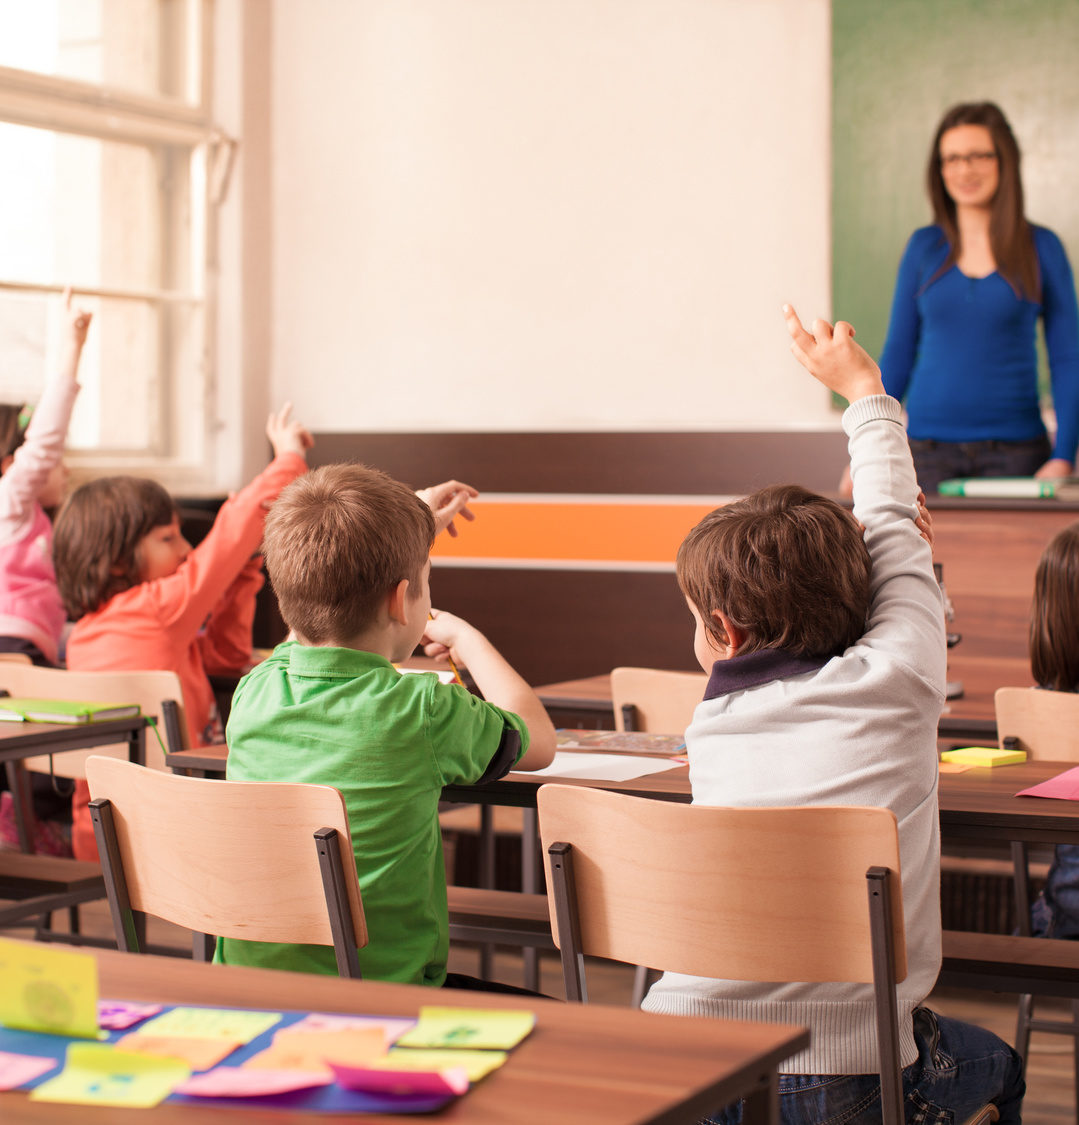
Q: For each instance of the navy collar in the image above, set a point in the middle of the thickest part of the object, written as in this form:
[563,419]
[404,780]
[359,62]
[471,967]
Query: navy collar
[761,667]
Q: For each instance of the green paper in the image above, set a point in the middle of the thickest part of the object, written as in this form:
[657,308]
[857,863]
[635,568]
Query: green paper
[235,1024]
[98,1074]
[470,1028]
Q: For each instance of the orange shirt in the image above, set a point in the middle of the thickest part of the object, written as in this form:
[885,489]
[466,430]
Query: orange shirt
[195,621]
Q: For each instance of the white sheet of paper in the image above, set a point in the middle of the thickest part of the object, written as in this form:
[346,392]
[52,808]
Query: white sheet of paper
[603,767]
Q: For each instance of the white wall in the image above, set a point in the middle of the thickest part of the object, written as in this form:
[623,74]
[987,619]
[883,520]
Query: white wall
[548,214]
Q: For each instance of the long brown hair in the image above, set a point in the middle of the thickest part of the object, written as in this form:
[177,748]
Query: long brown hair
[1054,620]
[96,538]
[1010,236]
[12,430]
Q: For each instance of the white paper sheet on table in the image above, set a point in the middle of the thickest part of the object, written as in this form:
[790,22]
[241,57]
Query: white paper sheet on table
[604,767]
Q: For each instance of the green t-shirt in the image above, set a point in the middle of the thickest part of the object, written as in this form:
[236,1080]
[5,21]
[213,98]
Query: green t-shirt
[389,742]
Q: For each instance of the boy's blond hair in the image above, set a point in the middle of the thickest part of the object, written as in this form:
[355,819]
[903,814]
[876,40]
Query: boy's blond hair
[337,541]
[789,567]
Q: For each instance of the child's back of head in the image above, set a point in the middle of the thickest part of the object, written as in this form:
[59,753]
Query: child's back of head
[789,567]
[1054,620]
[337,541]
[97,535]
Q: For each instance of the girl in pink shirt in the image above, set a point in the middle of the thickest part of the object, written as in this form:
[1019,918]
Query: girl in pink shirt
[32,478]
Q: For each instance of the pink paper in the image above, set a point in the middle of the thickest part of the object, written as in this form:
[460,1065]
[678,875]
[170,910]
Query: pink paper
[116,1015]
[1064,786]
[239,1082]
[392,1028]
[18,1069]
[452,1080]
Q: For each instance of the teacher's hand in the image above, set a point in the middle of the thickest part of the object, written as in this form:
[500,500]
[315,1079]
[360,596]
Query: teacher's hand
[1054,469]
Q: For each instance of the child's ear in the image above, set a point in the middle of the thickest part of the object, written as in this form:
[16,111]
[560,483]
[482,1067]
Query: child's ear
[733,636]
[397,603]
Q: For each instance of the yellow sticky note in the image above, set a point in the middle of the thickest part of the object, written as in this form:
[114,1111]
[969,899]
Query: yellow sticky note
[48,989]
[309,1050]
[199,1054]
[235,1024]
[473,1028]
[984,756]
[476,1064]
[98,1074]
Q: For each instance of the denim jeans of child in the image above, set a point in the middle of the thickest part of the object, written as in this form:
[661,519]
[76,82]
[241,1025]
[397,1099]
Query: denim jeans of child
[1056,911]
[959,1068]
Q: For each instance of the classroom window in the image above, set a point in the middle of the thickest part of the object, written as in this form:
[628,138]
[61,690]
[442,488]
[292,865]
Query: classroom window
[106,135]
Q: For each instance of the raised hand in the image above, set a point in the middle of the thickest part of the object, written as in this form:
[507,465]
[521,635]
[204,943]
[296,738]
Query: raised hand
[831,355]
[287,435]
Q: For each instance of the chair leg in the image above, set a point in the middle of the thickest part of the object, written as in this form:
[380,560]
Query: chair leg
[643,979]
[1075,1050]
[1022,1026]
[73,919]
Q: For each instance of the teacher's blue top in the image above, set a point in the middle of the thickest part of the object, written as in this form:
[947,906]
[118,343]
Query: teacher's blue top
[961,350]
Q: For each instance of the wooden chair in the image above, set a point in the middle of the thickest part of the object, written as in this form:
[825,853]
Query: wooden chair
[1046,725]
[262,861]
[665,884]
[15,658]
[653,700]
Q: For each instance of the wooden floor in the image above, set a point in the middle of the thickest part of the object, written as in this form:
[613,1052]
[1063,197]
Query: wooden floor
[1050,1093]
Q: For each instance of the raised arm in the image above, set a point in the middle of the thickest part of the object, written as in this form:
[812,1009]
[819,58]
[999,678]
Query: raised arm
[447,501]
[500,684]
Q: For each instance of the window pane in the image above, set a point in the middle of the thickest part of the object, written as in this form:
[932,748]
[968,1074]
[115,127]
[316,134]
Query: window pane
[93,213]
[134,45]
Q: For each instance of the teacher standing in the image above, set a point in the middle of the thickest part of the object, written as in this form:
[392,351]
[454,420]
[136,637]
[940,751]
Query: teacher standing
[970,290]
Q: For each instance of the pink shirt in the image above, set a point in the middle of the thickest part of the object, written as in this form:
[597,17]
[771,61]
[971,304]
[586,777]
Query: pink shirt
[30,605]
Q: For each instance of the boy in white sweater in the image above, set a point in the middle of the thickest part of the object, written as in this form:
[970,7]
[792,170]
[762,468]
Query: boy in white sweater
[826,653]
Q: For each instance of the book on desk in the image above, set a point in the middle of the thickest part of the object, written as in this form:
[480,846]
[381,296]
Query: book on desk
[17,710]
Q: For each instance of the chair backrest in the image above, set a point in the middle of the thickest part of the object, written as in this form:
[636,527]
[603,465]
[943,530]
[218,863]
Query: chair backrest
[15,658]
[788,894]
[659,702]
[1046,723]
[148,689]
[262,861]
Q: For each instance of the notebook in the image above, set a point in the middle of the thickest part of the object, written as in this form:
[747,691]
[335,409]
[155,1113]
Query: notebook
[63,711]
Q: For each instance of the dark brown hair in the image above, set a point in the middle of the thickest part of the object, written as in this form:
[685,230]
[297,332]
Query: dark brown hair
[337,541]
[786,565]
[96,538]
[1010,235]
[1054,620]
[12,432]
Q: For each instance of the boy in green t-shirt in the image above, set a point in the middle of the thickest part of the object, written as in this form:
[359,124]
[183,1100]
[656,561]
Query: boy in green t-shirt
[347,550]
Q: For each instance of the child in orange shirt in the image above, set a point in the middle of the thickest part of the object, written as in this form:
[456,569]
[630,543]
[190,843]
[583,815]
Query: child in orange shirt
[143,598]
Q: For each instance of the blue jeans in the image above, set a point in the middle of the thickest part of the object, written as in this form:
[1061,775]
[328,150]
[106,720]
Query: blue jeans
[1056,912]
[959,1069]
[935,461]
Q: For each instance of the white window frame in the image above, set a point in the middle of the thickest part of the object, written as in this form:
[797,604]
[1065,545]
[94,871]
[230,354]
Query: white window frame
[69,106]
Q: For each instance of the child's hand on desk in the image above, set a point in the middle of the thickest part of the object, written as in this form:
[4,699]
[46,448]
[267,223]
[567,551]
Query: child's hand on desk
[831,355]
[286,434]
[447,501]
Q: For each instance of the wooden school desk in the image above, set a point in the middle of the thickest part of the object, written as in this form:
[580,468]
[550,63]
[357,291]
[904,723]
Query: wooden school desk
[19,741]
[592,1064]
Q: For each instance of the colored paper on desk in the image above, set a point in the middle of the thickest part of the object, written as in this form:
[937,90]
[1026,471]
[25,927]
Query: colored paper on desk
[983,756]
[952,767]
[476,1064]
[17,1070]
[602,767]
[473,1028]
[99,1074]
[311,1050]
[237,1082]
[620,742]
[383,1080]
[235,1024]
[48,989]
[118,1015]
[392,1029]
[199,1054]
[1064,786]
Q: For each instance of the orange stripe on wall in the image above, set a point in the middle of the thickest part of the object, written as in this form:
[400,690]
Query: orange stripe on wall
[584,531]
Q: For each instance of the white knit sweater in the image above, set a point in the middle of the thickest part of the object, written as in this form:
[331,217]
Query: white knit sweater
[861,730]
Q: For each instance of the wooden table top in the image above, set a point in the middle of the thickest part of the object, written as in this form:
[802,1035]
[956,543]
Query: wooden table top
[27,740]
[583,1063]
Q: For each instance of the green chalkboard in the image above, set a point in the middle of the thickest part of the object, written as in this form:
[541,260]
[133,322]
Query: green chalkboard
[897,65]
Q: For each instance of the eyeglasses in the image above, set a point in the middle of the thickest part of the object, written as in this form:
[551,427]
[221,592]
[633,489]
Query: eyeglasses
[952,161]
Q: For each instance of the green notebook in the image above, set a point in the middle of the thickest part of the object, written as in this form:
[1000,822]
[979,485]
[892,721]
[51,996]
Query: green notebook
[63,711]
